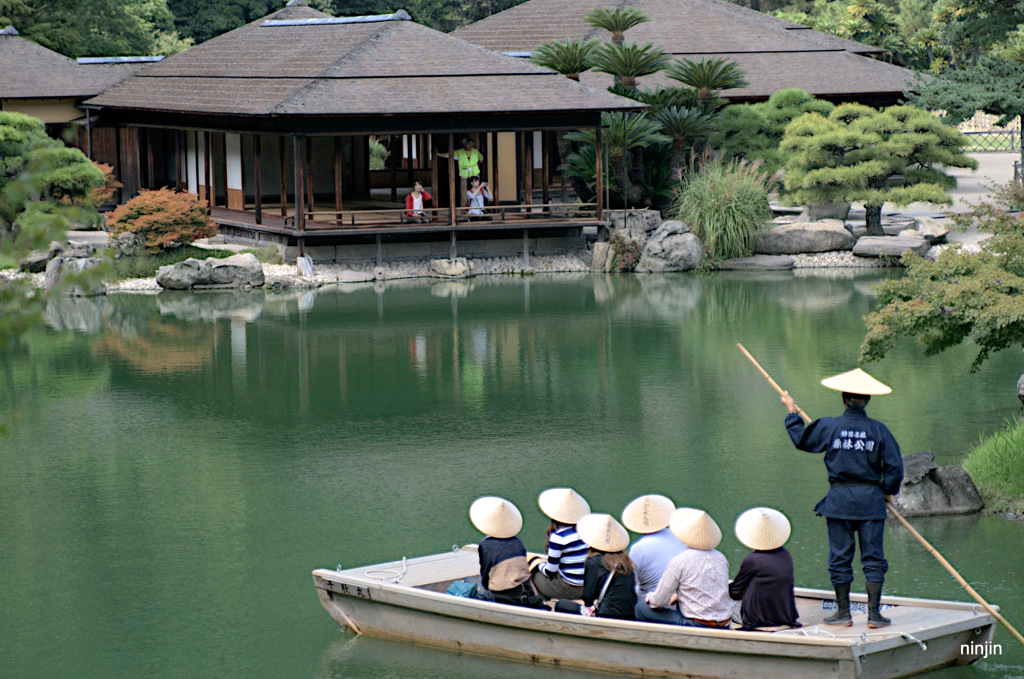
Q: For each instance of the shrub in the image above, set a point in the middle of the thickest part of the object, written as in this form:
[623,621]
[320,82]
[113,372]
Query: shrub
[166,219]
[725,204]
[626,253]
[104,195]
[996,464]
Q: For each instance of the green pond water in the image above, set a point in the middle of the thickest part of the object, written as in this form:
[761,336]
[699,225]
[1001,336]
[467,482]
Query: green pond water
[178,464]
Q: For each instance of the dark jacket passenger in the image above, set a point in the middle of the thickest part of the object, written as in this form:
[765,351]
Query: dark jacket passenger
[765,585]
[620,598]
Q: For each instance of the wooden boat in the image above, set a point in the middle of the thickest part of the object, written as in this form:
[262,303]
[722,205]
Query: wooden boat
[406,601]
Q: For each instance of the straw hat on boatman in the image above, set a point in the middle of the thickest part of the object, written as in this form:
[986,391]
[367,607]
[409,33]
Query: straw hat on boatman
[764,582]
[650,515]
[864,468]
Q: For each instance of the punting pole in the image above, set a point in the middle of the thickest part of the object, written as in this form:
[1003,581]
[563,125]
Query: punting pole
[899,517]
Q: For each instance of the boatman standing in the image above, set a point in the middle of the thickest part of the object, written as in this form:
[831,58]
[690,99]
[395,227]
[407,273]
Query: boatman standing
[864,468]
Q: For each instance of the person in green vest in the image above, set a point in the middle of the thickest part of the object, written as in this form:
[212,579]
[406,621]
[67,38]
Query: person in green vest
[469,160]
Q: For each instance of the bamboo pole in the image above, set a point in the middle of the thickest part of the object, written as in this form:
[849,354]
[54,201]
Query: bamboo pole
[899,517]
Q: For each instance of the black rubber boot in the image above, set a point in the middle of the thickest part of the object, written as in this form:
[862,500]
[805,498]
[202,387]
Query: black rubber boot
[842,615]
[875,619]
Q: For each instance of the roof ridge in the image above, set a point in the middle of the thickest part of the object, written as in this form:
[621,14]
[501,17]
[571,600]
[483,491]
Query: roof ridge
[357,48]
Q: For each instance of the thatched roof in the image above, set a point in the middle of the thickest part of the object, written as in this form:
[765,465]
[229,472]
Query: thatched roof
[775,53]
[30,71]
[301,62]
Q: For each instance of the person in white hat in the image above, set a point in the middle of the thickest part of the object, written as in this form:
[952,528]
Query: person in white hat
[650,515]
[696,581]
[864,467]
[609,586]
[504,572]
[561,576]
[764,582]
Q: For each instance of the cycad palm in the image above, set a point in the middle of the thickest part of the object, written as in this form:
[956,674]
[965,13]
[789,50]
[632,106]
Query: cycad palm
[707,75]
[616,21]
[570,58]
[686,126]
[629,62]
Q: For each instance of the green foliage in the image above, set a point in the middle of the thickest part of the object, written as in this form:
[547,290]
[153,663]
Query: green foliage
[859,153]
[629,62]
[993,85]
[102,28]
[753,131]
[726,205]
[165,219]
[378,155]
[708,76]
[616,21]
[996,465]
[626,253]
[688,128]
[570,58]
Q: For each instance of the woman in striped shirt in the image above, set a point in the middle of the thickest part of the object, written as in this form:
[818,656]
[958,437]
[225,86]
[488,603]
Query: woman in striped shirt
[561,576]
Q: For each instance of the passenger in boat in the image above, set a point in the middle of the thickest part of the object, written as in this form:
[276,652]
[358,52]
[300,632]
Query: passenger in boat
[504,572]
[414,213]
[764,582]
[561,576]
[694,591]
[609,584]
[864,469]
[475,196]
[650,515]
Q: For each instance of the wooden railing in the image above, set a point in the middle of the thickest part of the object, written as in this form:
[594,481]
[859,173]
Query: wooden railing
[441,216]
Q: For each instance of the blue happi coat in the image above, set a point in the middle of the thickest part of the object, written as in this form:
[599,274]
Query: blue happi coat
[862,458]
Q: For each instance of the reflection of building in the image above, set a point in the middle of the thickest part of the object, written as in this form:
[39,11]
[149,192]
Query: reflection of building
[775,54]
[49,86]
[274,121]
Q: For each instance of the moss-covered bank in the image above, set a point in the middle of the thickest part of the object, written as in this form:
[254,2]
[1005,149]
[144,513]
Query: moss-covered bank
[996,464]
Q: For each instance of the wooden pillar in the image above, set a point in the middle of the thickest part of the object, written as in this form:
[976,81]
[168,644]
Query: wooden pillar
[150,180]
[209,172]
[452,182]
[177,160]
[338,169]
[433,174]
[366,165]
[283,159]
[300,208]
[599,168]
[410,162]
[493,178]
[257,174]
[223,163]
[241,166]
[198,172]
[528,163]
[395,143]
[308,178]
[545,163]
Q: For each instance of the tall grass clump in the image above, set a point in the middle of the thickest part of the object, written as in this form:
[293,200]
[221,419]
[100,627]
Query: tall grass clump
[996,464]
[725,204]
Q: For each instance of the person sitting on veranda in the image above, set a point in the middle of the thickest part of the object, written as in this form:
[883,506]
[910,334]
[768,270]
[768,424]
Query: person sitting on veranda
[504,573]
[650,515]
[414,212]
[609,584]
[475,196]
[696,581]
[561,576]
[764,582]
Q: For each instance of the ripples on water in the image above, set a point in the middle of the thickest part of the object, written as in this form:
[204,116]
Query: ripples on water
[181,462]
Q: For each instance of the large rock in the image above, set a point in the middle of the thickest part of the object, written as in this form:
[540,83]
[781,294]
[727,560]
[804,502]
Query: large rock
[758,263]
[636,225]
[889,246]
[671,248]
[35,261]
[129,244]
[237,271]
[791,239]
[931,230]
[816,211]
[602,257]
[930,490]
[59,268]
[450,268]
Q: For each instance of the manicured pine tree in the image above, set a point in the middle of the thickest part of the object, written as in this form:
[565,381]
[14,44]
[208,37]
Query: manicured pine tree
[861,154]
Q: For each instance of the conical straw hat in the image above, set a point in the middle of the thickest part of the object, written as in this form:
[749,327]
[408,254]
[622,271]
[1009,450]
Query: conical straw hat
[762,528]
[857,382]
[648,513]
[695,528]
[496,517]
[564,505]
[603,532]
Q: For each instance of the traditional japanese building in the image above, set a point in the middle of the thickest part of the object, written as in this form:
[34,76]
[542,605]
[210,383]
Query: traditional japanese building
[775,54]
[41,83]
[276,123]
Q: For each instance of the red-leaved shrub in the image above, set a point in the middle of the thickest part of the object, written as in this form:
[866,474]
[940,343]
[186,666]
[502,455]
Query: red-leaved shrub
[166,219]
